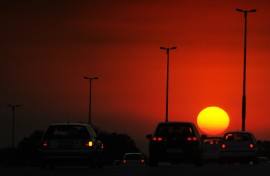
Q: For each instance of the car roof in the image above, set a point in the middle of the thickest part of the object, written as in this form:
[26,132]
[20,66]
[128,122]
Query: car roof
[239,132]
[69,123]
[133,153]
[177,122]
[213,137]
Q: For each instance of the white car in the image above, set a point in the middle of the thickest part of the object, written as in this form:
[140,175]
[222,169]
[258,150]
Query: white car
[71,143]
[238,147]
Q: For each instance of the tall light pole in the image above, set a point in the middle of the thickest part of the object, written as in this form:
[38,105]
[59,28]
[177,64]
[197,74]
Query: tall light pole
[90,95]
[244,79]
[13,122]
[167,82]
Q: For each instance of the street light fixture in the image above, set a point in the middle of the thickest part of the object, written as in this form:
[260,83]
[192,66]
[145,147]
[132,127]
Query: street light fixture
[90,95]
[167,82]
[13,122]
[244,79]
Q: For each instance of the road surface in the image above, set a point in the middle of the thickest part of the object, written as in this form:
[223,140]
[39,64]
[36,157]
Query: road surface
[162,170]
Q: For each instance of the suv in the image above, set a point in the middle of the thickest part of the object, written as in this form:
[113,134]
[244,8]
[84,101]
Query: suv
[238,146]
[71,143]
[175,142]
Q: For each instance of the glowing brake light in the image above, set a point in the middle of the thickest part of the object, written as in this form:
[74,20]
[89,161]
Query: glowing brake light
[89,144]
[157,139]
[142,161]
[251,146]
[45,144]
[124,161]
[223,146]
[192,138]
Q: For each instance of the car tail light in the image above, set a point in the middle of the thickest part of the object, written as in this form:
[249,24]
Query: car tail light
[45,144]
[223,146]
[124,161]
[89,143]
[157,139]
[142,160]
[251,146]
[192,138]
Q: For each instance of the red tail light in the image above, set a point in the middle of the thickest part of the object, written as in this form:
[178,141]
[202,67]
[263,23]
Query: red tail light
[157,139]
[45,144]
[192,138]
[124,161]
[251,146]
[142,161]
[223,146]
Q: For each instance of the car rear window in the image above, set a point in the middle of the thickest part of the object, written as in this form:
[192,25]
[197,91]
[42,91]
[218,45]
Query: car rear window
[237,137]
[133,156]
[175,130]
[212,141]
[67,132]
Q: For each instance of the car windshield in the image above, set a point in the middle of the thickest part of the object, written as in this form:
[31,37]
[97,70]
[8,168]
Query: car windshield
[237,137]
[133,156]
[175,130]
[67,132]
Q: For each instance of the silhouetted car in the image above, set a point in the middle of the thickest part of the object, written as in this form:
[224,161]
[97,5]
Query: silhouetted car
[211,148]
[133,159]
[71,143]
[175,142]
[238,147]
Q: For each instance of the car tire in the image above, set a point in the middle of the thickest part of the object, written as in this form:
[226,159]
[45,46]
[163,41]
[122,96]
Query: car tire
[52,166]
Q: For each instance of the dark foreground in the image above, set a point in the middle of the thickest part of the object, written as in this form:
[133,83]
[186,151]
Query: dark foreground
[163,170]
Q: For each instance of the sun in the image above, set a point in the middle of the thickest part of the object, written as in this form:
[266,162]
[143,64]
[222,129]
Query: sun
[213,120]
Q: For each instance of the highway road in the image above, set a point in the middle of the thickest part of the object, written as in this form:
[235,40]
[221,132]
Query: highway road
[162,170]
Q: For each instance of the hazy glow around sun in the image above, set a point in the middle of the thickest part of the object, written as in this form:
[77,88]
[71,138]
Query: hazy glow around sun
[213,120]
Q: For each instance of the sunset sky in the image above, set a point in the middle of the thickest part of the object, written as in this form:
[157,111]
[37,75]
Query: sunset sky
[48,46]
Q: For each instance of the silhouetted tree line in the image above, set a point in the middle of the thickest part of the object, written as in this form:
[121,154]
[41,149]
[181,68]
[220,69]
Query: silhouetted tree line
[116,145]
[27,151]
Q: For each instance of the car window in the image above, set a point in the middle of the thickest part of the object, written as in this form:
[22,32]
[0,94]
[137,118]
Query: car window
[174,130]
[212,141]
[237,137]
[67,132]
[133,156]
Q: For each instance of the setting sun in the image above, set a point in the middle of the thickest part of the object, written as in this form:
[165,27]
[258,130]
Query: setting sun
[213,120]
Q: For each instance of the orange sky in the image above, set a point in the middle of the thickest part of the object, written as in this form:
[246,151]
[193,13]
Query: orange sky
[47,47]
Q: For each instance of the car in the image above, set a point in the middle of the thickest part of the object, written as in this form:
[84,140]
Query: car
[211,148]
[238,147]
[71,143]
[175,142]
[133,159]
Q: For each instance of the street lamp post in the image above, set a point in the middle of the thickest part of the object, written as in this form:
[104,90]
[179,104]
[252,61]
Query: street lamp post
[244,78]
[167,82]
[90,95]
[13,122]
